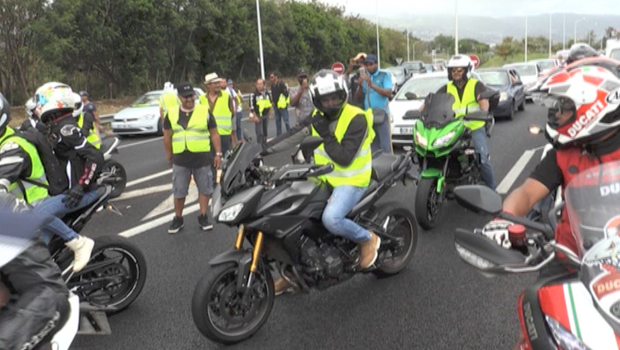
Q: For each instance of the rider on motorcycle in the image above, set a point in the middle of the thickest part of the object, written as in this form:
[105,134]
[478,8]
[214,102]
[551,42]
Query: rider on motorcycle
[466,92]
[583,123]
[33,297]
[347,134]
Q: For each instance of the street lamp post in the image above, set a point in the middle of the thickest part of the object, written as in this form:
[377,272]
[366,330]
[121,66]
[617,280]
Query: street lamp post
[378,48]
[564,32]
[408,56]
[577,21]
[525,38]
[456,27]
[260,42]
[550,37]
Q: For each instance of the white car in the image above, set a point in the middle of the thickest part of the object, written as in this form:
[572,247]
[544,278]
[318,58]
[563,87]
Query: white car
[142,117]
[529,73]
[547,64]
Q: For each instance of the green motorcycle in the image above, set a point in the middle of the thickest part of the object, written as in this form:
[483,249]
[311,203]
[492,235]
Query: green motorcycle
[445,153]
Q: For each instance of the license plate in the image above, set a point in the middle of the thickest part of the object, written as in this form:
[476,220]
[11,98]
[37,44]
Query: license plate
[406,131]
[122,126]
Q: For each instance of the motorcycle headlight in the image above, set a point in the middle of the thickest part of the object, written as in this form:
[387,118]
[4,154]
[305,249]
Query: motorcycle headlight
[563,337]
[444,140]
[420,140]
[229,214]
[473,259]
[503,96]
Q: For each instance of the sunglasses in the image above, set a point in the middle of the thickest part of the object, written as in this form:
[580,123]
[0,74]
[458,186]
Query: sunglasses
[458,70]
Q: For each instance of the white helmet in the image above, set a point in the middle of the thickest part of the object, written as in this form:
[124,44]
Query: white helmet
[327,82]
[77,105]
[168,87]
[53,100]
[460,61]
[31,106]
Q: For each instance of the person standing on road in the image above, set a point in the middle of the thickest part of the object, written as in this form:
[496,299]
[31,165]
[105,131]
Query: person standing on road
[280,97]
[238,98]
[301,99]
[189,132]
[375,87]
[260,106]
[89,106]
[466,92]
[86,122]
[221,106]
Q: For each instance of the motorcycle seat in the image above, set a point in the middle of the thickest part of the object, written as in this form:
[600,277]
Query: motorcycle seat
[384,165]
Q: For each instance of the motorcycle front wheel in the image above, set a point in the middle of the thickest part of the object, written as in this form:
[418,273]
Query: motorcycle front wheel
[225,314]
[428,203]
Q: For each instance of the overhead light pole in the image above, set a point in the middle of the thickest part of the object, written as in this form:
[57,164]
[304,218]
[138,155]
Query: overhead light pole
[260,42]
[525,39]
[550,36]
[456,27]
[408,56]
[378,47]
[577,21]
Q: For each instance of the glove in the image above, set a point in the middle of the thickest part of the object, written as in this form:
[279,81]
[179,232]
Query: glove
[497,230]
[74,197]
[321,125]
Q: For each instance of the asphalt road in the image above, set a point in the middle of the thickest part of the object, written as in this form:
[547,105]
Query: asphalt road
[438,302]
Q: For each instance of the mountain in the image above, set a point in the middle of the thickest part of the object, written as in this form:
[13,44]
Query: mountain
[492,29]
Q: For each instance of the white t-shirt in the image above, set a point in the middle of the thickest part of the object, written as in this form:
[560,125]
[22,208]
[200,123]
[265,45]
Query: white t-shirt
[233,94]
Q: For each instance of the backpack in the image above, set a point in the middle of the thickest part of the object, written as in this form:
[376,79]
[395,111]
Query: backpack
[57,179]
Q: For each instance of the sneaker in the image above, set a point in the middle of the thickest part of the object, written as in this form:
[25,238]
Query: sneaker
[82,249]
[203,220]
[368,251]
[176,226]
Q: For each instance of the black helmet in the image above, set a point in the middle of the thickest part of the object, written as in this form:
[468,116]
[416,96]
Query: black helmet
[579,52]
[5,114]
[326,83]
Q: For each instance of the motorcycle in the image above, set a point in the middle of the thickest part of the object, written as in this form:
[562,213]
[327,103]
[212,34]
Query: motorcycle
[445,152]
[278,212]
[575,303]
[113,278]
[113,172]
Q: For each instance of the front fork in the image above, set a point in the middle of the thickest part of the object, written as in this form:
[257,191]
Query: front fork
[426,172]
[256,252]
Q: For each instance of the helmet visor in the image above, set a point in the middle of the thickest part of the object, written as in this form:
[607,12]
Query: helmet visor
[561,110]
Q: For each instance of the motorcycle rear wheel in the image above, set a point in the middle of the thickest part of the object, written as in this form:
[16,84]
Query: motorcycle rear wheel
[218,309]
[400,224]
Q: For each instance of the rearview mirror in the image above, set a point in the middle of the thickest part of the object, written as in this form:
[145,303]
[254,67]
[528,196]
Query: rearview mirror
[411,96]
[413,114]
[478,198]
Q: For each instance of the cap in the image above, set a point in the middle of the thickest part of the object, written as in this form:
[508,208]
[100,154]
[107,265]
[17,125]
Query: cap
[229,82]
[185,90]
[360,55]
[371,58]
[211,78]
[302,72]
[84,93]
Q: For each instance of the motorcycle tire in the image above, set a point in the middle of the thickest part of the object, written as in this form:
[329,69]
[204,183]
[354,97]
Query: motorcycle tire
[401,224]
[114,173]
[220,283]
[110,275]
[428,203]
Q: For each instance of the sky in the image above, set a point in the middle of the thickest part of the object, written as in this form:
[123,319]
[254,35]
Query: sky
[490,8]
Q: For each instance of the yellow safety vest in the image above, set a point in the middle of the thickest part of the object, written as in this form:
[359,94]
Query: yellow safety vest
[468,104]
[221,111]
[283,101]
[169,101]
[239,99]
[263,102]
[358,173]
[93,136]
[195,138]
[31,192]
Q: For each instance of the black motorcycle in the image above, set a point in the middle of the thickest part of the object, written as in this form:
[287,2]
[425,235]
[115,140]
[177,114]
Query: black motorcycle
[278,212]
[116,272]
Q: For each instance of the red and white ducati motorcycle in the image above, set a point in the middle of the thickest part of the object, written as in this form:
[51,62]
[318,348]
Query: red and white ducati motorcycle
[575,303]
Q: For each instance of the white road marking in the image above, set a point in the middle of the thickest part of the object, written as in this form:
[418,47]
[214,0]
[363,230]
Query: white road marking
[157,222]
[143,192]
[514,173]
[139,143]
[168,204]
[148,178]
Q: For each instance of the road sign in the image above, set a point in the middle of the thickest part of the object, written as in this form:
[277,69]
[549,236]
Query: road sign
[399,61]
[338,67]
[475,60]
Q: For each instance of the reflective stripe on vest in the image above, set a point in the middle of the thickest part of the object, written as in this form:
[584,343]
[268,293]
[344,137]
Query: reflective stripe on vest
[195,138]
[468,104]
[359,171]
[32,193]
[93,136]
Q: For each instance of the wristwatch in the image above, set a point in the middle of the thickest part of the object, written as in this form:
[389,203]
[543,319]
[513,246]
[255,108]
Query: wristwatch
[218,154]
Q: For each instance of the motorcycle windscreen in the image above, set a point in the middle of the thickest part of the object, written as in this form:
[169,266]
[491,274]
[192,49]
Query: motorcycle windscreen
[438,110]
[239,161]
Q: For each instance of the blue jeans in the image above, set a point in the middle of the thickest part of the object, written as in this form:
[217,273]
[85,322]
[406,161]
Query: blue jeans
[342,200]
[239,130]
[481,146]
[53,206]
[281,113]
[382,137]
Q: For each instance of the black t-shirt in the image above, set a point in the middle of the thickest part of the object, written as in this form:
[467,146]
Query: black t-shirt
[480,88]
[189,159]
